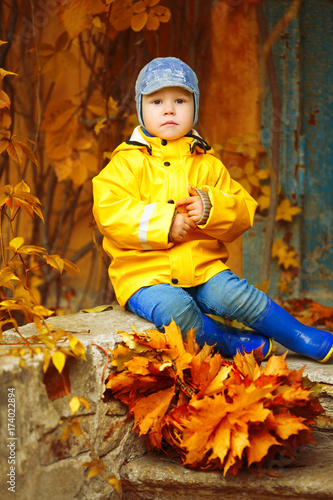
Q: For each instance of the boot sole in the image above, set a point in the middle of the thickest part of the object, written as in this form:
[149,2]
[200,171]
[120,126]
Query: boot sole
[327,357]
[270,348]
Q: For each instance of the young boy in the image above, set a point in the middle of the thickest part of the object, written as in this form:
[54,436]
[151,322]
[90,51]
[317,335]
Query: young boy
[166,205]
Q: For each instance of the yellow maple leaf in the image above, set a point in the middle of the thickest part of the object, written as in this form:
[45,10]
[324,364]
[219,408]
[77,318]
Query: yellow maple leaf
[247,365]
[285,255]
[196,438]
[239,440]
[286,425]
[265,198]
[285,211]
[138,365]
[205,369]
[259,446]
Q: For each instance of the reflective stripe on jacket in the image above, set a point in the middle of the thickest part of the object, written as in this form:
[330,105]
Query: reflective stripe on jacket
[133,208]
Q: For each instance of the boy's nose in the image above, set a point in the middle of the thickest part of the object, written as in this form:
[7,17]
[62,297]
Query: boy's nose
[169,109]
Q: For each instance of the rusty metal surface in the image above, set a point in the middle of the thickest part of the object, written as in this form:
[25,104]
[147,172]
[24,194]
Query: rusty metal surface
[304,61]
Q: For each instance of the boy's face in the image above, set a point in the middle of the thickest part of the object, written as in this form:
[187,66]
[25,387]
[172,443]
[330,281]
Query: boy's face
[168,113]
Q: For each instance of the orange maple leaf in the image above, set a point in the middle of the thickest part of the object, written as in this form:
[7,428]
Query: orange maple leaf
[4,100]
[260,442]
[150,410]
[148,14]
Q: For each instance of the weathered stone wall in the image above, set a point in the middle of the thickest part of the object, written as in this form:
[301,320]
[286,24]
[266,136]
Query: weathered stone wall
[45,466]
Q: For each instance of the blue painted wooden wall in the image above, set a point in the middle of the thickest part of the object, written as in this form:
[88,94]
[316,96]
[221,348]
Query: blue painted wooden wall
[304,61]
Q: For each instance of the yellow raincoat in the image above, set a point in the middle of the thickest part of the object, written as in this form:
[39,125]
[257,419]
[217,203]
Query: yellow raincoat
[133,208]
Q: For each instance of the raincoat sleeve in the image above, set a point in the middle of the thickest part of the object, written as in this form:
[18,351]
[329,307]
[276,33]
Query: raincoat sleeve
[232,210]
[122,216]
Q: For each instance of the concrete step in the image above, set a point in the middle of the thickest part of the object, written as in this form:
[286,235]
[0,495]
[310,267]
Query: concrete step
[157,478]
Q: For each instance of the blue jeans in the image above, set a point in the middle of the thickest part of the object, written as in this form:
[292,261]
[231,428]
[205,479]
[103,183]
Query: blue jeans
[224,295]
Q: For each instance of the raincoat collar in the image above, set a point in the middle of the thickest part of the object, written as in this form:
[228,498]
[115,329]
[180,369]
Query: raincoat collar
[190,142]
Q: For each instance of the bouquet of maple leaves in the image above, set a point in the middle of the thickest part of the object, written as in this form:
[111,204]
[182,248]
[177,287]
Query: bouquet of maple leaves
[210,412]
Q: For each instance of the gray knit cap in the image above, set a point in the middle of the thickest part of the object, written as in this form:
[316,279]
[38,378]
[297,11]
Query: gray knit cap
[166,72]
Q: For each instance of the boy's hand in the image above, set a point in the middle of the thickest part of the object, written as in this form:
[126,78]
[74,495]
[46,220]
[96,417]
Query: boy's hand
[192,205]
[181,226]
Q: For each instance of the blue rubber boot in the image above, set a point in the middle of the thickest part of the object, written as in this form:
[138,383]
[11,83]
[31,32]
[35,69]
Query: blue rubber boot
[228,340]
[278,324]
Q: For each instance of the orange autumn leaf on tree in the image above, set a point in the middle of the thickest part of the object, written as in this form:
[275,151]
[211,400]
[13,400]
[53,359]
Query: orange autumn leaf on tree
[121,14]
[56,59]
[138,15]
[18,150]
[72,155]
[4,100]
[19,196]
[75,161]
[215,414]
[61,126]
[77,15]
[148,14]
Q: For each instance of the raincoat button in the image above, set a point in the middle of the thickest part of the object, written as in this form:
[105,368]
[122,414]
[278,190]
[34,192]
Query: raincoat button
[167,164]
[174,281]
[164,142]
[171,201]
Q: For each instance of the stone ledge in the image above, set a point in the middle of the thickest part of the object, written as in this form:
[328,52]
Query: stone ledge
[47,467]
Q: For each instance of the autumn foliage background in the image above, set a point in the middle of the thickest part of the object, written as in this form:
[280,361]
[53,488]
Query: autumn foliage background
[68,70]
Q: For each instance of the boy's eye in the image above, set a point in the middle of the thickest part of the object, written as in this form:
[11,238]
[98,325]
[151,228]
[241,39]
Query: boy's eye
[157,101]
[180,101]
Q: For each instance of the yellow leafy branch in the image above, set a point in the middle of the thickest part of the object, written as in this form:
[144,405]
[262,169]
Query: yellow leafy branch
[23,297]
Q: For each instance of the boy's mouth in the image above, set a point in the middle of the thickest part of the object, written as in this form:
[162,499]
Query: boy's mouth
[169,122]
